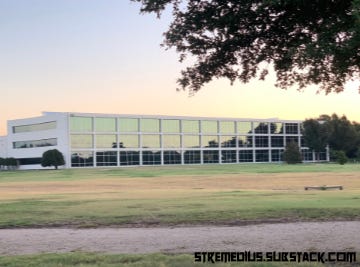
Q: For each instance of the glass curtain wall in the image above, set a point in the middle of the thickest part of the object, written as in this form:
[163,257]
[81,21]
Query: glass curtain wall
[126,141]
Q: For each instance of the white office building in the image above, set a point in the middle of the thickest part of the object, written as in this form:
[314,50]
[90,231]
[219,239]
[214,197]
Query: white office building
[94,140]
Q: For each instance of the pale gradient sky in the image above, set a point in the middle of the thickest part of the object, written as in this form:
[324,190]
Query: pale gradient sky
[103,57]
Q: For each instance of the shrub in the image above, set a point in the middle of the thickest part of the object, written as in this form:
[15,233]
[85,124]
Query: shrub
[2,163]
[8,163]
[341,157]
[292,153]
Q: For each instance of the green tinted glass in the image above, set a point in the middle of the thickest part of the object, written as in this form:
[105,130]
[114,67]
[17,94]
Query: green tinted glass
[81,141]
[150,125]
[227,127]
[128,125]
[190,126]
[105,141]
[171,141]
[81,124]
[170,126]
[209,127]
[105,124]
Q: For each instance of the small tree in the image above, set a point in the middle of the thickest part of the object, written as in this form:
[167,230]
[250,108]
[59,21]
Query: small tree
[292,153]
[52,157]
[341,157]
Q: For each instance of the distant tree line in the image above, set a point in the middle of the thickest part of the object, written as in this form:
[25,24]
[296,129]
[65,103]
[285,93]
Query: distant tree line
[8,164]
[341,135]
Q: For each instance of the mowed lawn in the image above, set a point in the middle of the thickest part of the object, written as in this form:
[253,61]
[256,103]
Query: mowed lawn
[147,260]
[211,194]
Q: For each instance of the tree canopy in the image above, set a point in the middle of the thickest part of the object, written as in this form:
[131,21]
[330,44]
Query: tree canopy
[342,134]
[316,134]
[305,41]
[52,157]
[337,132]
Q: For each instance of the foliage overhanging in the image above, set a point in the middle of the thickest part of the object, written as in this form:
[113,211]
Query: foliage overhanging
[305,41]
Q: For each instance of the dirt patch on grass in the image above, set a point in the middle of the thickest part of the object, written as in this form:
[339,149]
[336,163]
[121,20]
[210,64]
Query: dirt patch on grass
[167,186]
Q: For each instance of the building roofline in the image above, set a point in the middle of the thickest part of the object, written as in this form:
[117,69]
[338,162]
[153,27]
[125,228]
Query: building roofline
[170,117]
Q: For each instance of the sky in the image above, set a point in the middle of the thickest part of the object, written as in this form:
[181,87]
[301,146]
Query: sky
[105,57]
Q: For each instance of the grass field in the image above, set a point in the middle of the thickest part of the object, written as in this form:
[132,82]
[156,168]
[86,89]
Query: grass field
[152,260]
[213,194]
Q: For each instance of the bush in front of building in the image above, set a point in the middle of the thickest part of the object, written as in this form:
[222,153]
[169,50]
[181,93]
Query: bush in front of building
[2,163]
[8,164]
[52,157]
[292,153]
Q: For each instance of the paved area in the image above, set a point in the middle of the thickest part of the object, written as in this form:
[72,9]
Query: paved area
[301,236]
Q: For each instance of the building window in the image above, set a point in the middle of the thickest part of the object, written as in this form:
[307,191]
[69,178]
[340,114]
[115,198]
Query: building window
[291,128]
[171,141]
[82,159]
[105,124]
[209,127]
[35,143]
[210,141]
[227,127]
[322,155]
[262,155]
[151,157]
[128,125]
[277,141]
[81,124]
[129,141]
[170,126]
[302,141]
[29,161]
[228,156]
[244,127]
[172,157]
[261,141]
[245,156]
[245,141]
[292,139]
[129,158]
[277,155]
[106,158]
[150,125]
[228,141]
[192,157]
[191,141]
[81,141]
[210,156]
[105,141]
[190,126]
[151,141]
[35,127]
[307,155]
[261,128]
[276,128]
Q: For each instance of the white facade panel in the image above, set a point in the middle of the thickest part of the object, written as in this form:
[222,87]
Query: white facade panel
[60,133]
[3,147]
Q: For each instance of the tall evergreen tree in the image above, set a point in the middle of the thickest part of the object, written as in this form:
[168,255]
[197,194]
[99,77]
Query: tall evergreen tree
[292,153]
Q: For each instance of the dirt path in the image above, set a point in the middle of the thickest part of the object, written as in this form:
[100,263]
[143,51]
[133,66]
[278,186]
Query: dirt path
[304,236]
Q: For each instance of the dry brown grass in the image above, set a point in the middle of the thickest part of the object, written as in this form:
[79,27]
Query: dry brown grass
[164,187]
